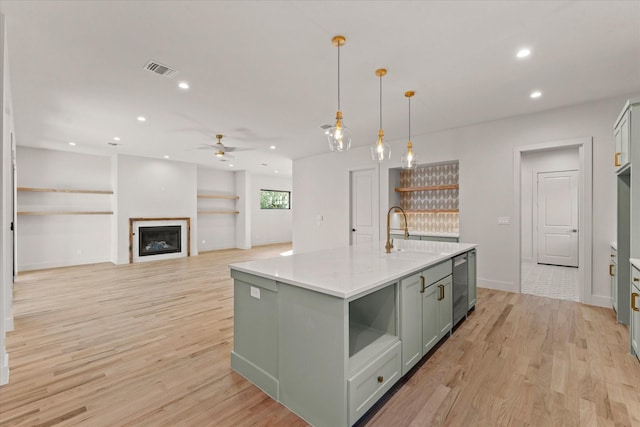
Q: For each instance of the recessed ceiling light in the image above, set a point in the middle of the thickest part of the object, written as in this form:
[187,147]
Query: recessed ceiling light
[166,156]
[142,119]
[275,171]
[523,53]
[273,147]
[72,143]
[536,94]
[183,85]
[116,138]
[230,165]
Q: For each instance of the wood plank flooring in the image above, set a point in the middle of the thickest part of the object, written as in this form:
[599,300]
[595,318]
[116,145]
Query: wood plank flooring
[148,345]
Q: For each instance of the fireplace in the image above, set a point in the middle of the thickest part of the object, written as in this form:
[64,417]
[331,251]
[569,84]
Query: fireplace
[159,240]
[152,239]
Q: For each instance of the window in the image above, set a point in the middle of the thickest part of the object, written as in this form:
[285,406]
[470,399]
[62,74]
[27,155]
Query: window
[273,199]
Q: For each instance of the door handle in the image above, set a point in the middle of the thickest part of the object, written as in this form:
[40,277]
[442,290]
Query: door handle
[616,159]
[573,230]
[634,307]
[441,296]
[611,270]
[353,229]
[422,288]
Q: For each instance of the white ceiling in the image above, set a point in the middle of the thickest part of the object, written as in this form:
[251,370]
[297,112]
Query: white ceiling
[264,72]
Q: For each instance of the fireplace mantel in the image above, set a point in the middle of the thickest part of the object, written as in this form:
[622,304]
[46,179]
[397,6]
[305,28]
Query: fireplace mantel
[133,220]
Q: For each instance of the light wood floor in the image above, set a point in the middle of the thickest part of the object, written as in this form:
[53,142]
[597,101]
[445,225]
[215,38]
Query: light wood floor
[148,345]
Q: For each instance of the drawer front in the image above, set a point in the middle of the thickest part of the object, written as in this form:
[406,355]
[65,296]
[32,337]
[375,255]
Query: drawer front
[373,381]
[437,272]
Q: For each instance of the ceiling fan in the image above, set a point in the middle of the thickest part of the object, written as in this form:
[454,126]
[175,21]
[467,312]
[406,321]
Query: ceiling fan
[221,151]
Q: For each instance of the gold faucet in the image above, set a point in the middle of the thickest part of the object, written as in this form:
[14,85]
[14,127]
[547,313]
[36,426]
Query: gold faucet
[389,245]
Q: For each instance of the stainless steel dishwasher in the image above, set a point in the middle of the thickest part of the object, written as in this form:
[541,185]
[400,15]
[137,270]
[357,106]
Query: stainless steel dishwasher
[460,287]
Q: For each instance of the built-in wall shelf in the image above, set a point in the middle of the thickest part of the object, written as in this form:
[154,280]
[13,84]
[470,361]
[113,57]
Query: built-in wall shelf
[429,211]
[431,188]
[207,196]
[218,212]
[60,190]
[64,213]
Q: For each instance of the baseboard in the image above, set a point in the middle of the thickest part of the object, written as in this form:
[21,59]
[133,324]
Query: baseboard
[8,322]
[57,264]
[4,369]
[600,301]
[496,285]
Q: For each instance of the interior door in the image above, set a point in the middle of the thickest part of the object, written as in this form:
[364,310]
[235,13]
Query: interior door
[558,218]
[364,204]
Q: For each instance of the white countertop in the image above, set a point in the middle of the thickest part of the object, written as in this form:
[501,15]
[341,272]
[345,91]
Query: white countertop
[349,271]
[635,262]
[614,245]
[425,233]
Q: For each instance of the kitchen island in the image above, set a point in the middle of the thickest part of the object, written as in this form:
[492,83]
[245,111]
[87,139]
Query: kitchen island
[327,333]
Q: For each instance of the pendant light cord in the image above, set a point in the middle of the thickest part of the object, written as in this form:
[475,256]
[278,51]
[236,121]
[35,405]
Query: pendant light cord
[380,101]
[409,119]
[338,76]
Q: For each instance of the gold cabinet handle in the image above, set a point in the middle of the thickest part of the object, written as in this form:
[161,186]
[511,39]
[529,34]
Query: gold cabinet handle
[422,288]
[617,159]
[611,270]
[634,307]
[380,379]
[635,279]
[441,295]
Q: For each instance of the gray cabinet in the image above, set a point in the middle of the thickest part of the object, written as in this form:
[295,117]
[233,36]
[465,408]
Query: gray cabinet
[635,312]
[473,282]
[426,311]
[613,265]
[622,136]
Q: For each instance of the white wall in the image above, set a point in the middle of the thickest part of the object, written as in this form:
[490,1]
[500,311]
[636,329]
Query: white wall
[154,188]
[270,225]
[216,231]
[532,164]
[485,152]
[46,241]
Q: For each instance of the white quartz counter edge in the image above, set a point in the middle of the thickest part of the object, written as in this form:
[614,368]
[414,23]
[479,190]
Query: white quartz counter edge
[350,272]
[635,262]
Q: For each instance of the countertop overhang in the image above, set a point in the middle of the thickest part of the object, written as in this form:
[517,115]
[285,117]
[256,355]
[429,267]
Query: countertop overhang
[352,271]
[635,262]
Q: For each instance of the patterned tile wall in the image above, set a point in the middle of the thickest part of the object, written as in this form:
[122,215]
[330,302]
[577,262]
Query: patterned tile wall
[428,176]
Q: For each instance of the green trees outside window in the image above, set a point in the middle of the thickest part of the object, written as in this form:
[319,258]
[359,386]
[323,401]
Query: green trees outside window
[273,199]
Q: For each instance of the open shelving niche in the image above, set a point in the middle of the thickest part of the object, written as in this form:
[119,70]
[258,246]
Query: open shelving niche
[203,211]
[67,191]
[373,326]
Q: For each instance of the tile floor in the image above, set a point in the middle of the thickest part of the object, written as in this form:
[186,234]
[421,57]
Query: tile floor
[550,281]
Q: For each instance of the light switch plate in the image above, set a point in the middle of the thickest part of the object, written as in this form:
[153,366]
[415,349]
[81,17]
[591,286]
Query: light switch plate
[255,292]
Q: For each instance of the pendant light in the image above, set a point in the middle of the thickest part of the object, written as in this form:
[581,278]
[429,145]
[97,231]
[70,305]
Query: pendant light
[409,160]
[381,150]
[339,136]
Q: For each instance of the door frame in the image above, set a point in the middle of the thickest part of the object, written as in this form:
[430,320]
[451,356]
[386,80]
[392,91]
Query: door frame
[376,203]
[585,208]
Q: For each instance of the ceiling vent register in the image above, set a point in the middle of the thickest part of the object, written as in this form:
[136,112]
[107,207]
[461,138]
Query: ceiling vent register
[158,68]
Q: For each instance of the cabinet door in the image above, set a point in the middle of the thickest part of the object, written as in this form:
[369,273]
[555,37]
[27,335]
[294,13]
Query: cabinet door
[430,317]
[635,314]
[473,284]
[445,306]
[622,137]
[411,321]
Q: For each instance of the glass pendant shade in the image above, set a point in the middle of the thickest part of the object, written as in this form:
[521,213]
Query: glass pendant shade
[339,136]
[381,151]
[409,159]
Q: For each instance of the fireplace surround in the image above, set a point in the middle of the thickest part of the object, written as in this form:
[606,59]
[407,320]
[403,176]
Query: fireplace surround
[153,239]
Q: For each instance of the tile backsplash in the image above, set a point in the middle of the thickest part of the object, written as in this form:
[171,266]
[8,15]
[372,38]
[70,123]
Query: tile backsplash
[441,200]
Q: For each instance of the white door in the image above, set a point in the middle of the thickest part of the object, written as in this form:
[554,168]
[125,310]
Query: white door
[364,207]
[558,218]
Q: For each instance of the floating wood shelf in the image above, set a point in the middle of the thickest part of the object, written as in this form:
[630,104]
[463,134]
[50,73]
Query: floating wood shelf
[432,188]
[219,212]
[64,213]
[59,190]
[205,196]
[429,211]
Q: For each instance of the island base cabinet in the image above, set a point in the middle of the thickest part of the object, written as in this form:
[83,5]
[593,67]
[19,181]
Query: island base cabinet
[372,382]
[472,277]
[635,312]
[614,280]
